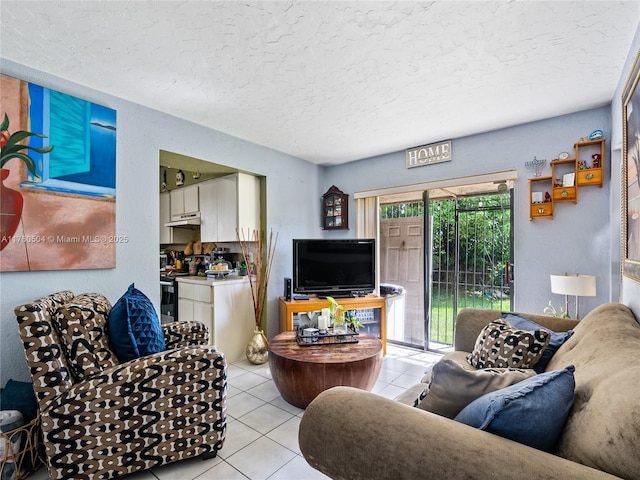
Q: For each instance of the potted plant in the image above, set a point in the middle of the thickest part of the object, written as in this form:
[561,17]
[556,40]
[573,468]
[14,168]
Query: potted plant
[255,245]
[242,269]
[342,319]
[336,316]
[11,200]
[551,310]
[352,320]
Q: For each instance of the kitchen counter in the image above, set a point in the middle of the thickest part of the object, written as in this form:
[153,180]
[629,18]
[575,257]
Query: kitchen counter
[228,279]
[224,306]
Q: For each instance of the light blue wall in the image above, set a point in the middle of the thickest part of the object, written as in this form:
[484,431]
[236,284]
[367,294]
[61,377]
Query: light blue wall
[576,240]
[293,193]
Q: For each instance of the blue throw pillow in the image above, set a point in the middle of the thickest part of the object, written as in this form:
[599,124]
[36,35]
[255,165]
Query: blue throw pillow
[133,326]
[532,412]
[557,338]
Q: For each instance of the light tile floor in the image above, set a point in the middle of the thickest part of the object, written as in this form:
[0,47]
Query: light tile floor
[262,429]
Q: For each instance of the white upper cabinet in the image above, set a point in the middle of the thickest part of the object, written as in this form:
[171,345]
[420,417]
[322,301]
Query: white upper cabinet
[209,212]
[165,216]
[167,234]
[229,203]
[184,200]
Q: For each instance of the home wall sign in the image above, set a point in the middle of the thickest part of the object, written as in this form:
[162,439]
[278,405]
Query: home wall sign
[58,155]
[429,154]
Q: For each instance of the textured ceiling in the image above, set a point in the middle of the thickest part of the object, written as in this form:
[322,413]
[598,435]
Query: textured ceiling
[334,81]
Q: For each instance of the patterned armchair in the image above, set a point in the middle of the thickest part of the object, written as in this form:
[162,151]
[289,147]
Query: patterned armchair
[103,419]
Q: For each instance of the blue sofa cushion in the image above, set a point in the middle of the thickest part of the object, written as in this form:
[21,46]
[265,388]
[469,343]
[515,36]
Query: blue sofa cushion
[555,342]
[19,396]
[134,327]
[532,412]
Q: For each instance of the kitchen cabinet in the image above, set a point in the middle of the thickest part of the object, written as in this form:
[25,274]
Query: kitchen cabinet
[224,306]
[227,204]
[170,235]
[184,200]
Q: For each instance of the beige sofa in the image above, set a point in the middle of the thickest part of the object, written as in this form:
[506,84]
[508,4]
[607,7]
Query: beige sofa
[352,434]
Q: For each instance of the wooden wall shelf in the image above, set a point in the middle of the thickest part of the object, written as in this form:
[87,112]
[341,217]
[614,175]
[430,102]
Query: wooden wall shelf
[567,176]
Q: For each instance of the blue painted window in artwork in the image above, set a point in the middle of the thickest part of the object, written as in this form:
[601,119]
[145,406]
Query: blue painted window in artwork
[69,129]
[84,137]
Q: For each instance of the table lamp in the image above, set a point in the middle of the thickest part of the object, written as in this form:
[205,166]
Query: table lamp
[576,285]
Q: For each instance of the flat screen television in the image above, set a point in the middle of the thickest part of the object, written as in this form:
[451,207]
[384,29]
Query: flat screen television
[337,268]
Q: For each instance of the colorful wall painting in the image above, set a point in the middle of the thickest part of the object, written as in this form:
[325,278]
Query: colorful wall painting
[59,190]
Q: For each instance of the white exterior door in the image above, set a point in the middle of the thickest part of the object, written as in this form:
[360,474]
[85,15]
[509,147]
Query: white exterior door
[402,255]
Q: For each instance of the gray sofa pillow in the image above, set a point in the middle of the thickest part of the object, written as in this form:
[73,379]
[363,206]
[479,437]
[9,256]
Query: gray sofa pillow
[455,384]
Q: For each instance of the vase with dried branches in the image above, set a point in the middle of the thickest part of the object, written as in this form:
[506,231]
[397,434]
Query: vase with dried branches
[257,252]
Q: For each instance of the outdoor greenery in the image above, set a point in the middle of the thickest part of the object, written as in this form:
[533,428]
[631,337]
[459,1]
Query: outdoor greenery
[443,315]
[484,235]
[484,238]
[476,264]
[402,210]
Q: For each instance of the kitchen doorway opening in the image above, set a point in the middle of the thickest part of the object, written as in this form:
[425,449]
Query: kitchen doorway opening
[442,250]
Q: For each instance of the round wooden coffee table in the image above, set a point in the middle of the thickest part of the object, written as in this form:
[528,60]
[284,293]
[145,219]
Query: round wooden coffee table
[301,373]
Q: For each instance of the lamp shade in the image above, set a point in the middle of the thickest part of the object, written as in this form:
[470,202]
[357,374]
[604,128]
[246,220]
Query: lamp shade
[578,285]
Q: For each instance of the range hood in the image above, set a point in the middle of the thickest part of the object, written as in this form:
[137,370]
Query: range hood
[185,220]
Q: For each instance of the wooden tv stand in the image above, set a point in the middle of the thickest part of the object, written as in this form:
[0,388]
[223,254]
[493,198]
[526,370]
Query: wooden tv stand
[289,308]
